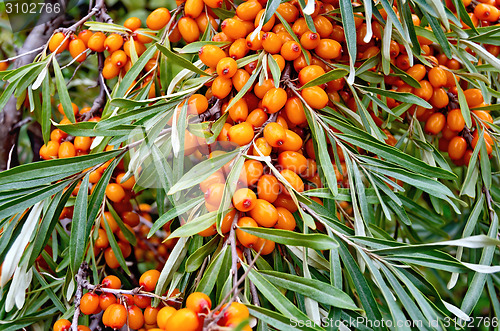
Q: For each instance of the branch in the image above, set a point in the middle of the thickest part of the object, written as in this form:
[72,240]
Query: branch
[80,279]
[253,289]
[100,101]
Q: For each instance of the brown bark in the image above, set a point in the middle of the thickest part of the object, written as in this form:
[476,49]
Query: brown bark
[10,115]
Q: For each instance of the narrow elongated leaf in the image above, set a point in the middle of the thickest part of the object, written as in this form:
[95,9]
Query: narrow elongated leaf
[285,237]
[79,237]
[210,275]
[195,260]
[276,320]
[176,211]
[327,77]
[63,92]
[193,227]
[179,60]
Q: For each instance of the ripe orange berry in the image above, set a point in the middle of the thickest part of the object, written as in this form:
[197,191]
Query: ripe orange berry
[439,98]
[119,58]
[106,300]
[247,11]
[84,36]
[254,42]
[117,316]
[268,188]
[49,150]
[286,221]
[294,111]
[61,109]
[417,72]
[213,3]
[244,199]
[82,143]
[210,55]
[455,120]
[233,28]
[77,49]
[274,134]
[435,123]
[264,213]
[271,42]
[113,42]
[132,23]
[102,240]
[110,257]
[66,149]
[115,192]
[293,161]
[193,8]
[150,315]
[235,311]
[241,134]
[265,247]
[437,77]
[221,87]
[82,328]
[246,239]
[274,100]
[110,70]
[484,116]
[213,195]
[149,279]
[315,97]
[163,315]
[89,303]
[260,90]
[139,47]
[183,319]
[257,118]
[62,325]
[199,302]
[135,317]
[128,184]
[269,25]
[328,49]
[310,40]
[96,42]
[456,148]
[474,97]
[309,73]
[227,67]
[111,282]
[425,91]
[108,218]
[251,172]
[284,200]
[293,179]
[189,29]
[290,50]
[57,41]
[158,19]
[262,146]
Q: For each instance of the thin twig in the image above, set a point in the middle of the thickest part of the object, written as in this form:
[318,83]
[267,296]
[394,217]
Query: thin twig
[80,279]
[253,289]
[24,54]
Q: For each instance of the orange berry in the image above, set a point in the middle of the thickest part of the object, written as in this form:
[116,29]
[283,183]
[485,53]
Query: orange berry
[213,195]
[235,311]
[269,25]
[62,325]
[96,42]
[110,257]
[244,199]
[106,300]
[149,279]
[290,50]
[240,78]
[221,87]
[108,218]
[57,41]
[210,55]
[247,11]
[260,90]
[163,315]
[135,317]
[193,8]
[274,100]
[293,161]
[189,29]
[61,109]
[456,148]
[294,111]
[417,72]
[286,221]
[102,240]
[119,58]
[474,97]
[139,47]
[257,118]
[227,67]
[115,192]
[274,134]
[233,28]
[439,98]
[213,3]
[437,77]
[293,179]
[158,19]
[132,23]
[89,303]
[309,73]
[113,42]
[251,172]
[128,184]
[246,239]
[77,49]
[82,143]
[315,97]
[435,123]
[455,120]
[117,316]
[241,134]
[66,149]
[264,213]
[328,49]
[271,42]
[262,146]
[150,315]
[110,71]
[111,282]
[484,116]
[183,319]
[268,188]
[199,302]
[265,247]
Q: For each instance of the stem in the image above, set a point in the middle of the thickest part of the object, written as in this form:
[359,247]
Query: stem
[253,289]
[80,280]
[100,101]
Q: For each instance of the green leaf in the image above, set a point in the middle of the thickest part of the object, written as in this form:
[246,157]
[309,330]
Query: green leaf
[312,288]
[276,320]
[63,92]
[399,96]
[347,16]
[174,212]
[285,237]
[197,45]
[134,72]
[179,60]
[129,235]
[327,77]
[46,110]
[212,272]
[193,227]
[195,260]
[116,249]
[79,237]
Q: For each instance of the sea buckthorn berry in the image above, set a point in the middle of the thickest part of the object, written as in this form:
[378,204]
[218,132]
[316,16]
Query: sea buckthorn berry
[108,218]
[247,11]
[117,316]
[213,3]
[149,279]
[262,146]
[203,22]
[246,239]
[241,134]
[437,77]
[290,50]
[233,28]
[163,315]
[328,49]
[251,172]
[286,221]
[274,134]
[49,150]
[77,49]
[293,161]
[271,42]
[58,135]
[183,319]
[128,184]
[106,300]
[213,195]
[82,328]
[235,311]
[435,123]
[309,73]
[274,100]
[284,200]
[129,45]
[244,199]
[254,41]
[486,12]
[115,192]
[142,301]
[315,97]
[158,19]
[484,116]
[57,41]
[62,325]
[89,303]
[197,104]
[144,37]
[260,90]
[110,71]
[131,218]
[475,139]
[269,25]
[193,8]
[66,150]
[135,317]
[110,258]
[417,72]
[199,302]
[215,178]
[265,247]
[425,91]
[264,213]
[240,78]
[150,315]
[440,98]
[268,188]
[96,42]
[323,26]
[102,240]
[257,118]
[119,58]
[310,40]
[61,109]
[221,87]
[227,67]
[189,29]
[457,147]
[84,36]
[210,55]
[238,48]
[293,179]
[474,97]
[132,23]
[289,12]
[111,282]
[82,143]
[113,42]
[455,120]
